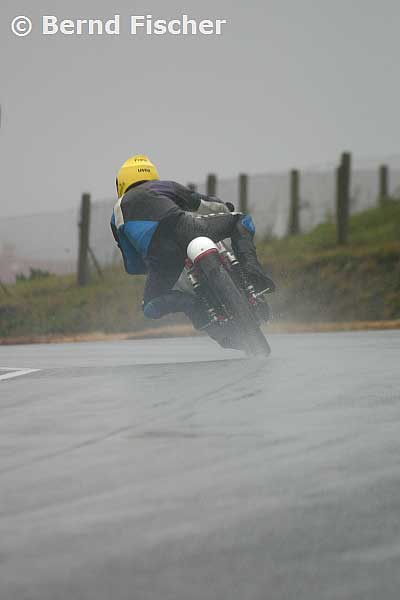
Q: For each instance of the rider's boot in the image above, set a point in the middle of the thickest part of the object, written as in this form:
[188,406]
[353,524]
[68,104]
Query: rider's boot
[171,302]
[245,250]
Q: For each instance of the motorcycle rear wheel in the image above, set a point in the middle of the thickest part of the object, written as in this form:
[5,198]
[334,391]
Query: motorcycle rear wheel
[236,304]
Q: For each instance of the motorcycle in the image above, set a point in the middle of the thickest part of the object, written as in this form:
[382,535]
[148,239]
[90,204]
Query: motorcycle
[235,310]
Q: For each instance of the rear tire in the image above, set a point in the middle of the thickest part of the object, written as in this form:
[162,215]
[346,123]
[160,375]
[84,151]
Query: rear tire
[236,304]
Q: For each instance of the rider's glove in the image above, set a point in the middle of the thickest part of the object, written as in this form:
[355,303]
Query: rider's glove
[212,207]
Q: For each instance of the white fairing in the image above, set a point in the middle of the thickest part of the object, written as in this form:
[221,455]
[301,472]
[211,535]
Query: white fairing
[198,246]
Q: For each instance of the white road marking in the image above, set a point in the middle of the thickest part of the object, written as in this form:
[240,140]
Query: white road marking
[13,372]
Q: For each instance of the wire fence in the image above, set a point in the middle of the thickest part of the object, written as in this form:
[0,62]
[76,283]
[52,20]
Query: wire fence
[50,241]
[269,197]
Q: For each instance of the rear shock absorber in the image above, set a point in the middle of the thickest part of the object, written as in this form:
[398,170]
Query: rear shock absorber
[198,290]
[241,275]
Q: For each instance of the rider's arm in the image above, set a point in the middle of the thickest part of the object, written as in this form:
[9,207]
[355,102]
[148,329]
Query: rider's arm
[211,205]
[187,199]
[192,201]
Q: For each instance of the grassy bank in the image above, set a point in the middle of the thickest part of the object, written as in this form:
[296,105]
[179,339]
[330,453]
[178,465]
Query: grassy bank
[56,306]
[318,282]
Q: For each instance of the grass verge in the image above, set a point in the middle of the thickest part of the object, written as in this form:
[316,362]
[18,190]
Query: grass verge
[319,283]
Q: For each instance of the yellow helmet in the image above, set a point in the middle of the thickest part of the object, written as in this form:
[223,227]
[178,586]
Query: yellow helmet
[135,169]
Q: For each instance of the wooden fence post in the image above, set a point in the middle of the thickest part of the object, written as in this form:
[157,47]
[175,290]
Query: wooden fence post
[383,184]
[211,188]
[243,193]
[294,220]
[346,162]
[343,175]
[84,224]
[96,263]
[339,206]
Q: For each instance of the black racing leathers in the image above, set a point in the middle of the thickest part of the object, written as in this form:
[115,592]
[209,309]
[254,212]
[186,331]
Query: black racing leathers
[153,224]
[167,252]
[157,200]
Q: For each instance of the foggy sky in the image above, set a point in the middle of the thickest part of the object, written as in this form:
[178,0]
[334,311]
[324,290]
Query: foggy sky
[289,83]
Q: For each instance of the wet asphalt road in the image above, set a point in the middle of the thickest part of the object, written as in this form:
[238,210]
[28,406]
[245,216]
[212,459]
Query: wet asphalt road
[171,469]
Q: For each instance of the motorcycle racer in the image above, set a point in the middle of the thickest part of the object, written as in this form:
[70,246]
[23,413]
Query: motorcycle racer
[154,221]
